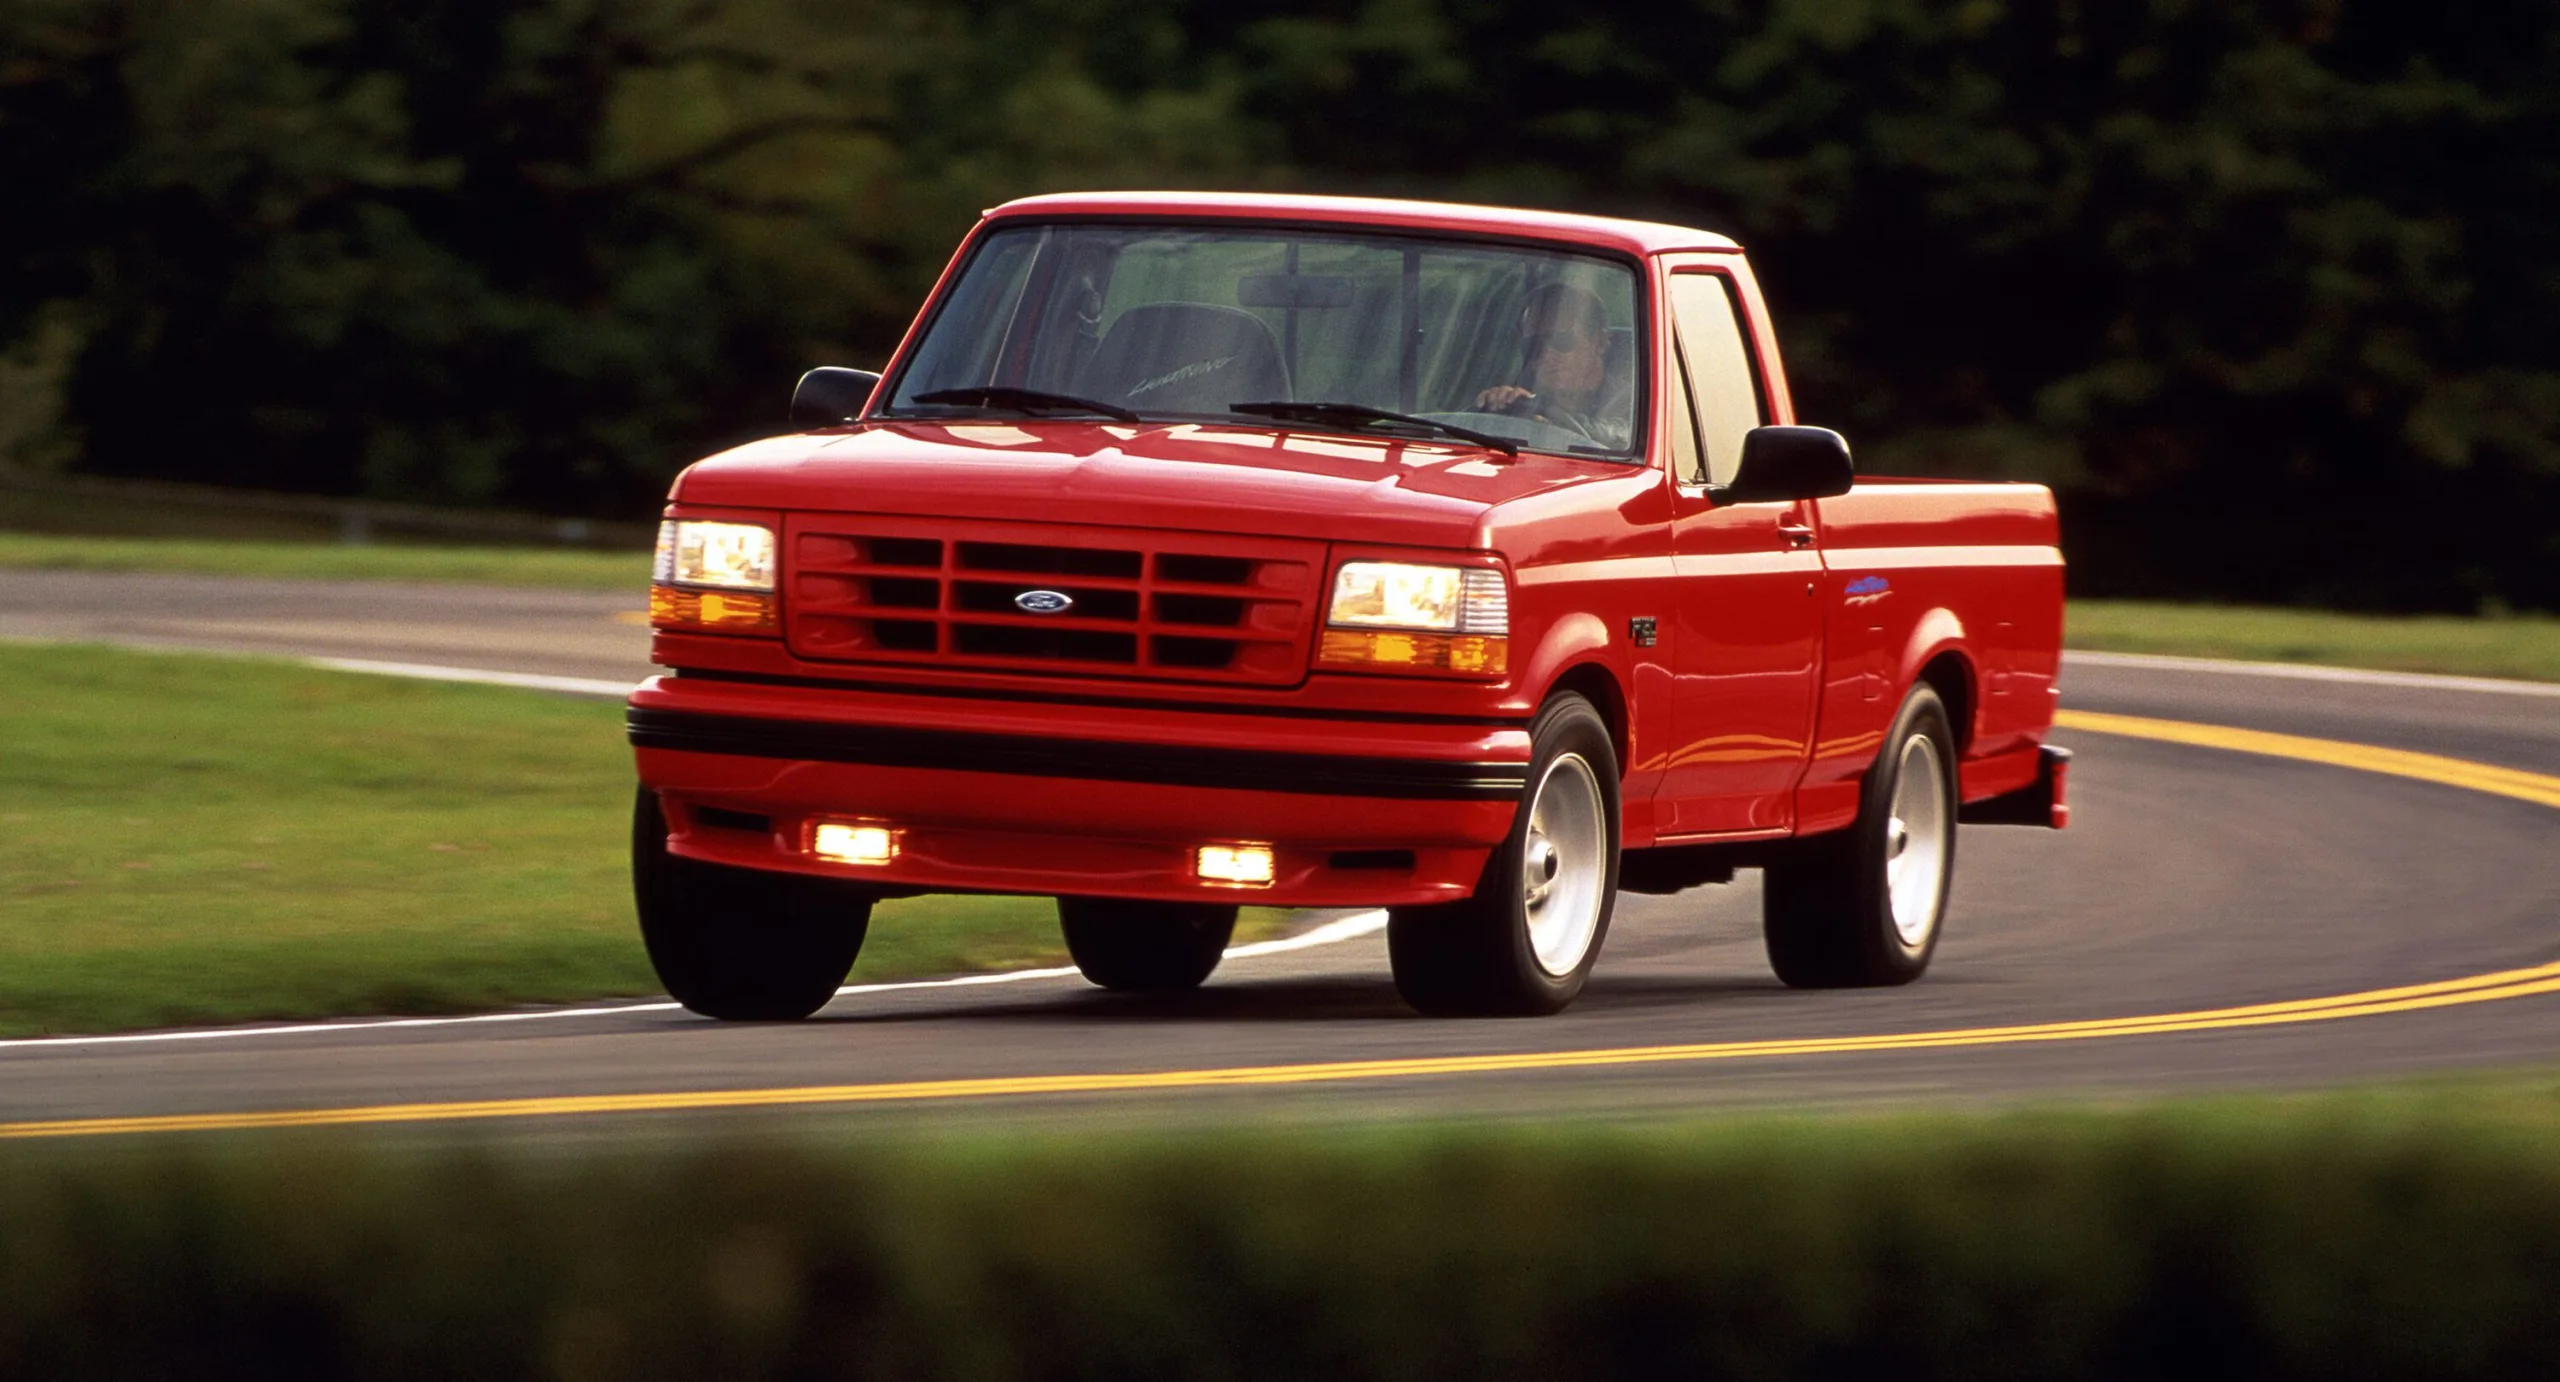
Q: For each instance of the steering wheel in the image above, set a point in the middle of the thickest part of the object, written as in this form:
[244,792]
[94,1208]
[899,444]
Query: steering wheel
[1578,425]
[1526,406]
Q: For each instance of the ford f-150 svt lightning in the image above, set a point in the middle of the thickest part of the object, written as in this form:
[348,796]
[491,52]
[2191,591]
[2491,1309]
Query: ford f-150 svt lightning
[1195,550]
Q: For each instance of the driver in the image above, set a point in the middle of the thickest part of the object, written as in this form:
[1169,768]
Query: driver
[1564,373]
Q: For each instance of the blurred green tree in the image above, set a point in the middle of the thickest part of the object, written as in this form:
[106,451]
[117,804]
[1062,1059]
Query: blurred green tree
[2265,287]
[537,252]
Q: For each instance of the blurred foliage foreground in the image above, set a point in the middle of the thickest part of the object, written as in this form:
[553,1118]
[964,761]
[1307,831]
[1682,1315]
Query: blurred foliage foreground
[2319,1243]
[2265,287]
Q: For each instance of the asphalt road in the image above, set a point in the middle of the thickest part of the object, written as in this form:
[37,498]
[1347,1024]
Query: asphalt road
[547,632]
[2194,880]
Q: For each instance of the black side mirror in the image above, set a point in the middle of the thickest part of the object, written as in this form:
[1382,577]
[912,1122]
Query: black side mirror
[1788,463]
[830,396]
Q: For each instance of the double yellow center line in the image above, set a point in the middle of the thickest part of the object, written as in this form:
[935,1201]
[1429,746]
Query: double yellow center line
[2478,988]
[2514,983]
[2425,767]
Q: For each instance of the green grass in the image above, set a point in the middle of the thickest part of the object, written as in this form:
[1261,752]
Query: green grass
[198,839]
[578,570]
[2526,647]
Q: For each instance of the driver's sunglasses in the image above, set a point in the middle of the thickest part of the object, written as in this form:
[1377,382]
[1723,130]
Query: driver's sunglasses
[1560,339]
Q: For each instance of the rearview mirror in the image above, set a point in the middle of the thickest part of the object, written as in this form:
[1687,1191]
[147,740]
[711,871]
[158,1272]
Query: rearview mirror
[1788,463]
[830,396]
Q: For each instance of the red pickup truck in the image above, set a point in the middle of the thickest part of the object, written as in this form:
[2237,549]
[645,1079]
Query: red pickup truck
[1196,550]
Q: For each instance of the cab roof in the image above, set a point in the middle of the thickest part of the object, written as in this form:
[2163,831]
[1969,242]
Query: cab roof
[1602,232]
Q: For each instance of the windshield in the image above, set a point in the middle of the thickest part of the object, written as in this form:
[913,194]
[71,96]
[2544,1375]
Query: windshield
[1341,331]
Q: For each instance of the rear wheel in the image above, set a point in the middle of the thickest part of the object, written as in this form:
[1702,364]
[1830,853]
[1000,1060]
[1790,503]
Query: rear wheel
[741,944]
[1145,947]
[1524,944]
[1863,907]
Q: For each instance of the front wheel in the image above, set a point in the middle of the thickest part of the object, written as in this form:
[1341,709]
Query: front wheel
[1524,944]
[1145,947]
[740,944]
[1863,907]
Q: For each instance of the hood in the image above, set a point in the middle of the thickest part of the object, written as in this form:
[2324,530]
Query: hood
[1183,477]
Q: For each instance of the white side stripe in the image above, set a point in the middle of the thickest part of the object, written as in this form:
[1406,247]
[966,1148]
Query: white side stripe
[2294,671]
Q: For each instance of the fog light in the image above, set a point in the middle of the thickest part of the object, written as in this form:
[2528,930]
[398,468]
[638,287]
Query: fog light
[1246,865]
[854,844]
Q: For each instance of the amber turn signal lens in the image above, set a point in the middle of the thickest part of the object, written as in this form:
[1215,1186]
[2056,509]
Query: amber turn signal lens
[1469,653]
[713,611]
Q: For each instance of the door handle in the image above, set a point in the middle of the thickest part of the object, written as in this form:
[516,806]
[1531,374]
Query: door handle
[1797,534]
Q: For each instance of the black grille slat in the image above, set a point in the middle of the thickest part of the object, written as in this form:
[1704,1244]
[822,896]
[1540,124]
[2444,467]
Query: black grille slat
[904,635]
[1203,654]
[1069,645]
[906,551]
[1051,561]
[1212,611]
[905,592]
[1199,570]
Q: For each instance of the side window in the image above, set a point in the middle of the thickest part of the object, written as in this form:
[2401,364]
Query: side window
[1721,385]
[1686,464]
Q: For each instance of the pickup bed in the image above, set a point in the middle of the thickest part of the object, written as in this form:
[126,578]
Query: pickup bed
[1197,550]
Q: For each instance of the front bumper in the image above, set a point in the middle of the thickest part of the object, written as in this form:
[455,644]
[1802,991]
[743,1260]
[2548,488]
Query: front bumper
[1016,795]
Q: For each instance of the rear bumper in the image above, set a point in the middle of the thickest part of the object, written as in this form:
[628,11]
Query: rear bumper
[1019,796]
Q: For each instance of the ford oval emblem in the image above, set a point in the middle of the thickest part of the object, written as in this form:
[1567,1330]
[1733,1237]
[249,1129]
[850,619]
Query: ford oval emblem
[1044,602]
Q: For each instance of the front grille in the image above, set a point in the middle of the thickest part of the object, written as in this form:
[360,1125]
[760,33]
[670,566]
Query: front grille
[946,592]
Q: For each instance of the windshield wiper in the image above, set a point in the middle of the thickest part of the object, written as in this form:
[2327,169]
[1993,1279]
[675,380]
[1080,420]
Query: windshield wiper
[1362,415]
[1026,401]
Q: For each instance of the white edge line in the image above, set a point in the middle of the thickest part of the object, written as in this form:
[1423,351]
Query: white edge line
[315,1028]
[1352,927]
[528,681]
[1332,932]
[2300,671]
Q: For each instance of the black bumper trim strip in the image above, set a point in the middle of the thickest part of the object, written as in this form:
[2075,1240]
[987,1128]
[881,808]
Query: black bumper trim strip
[1286,712]
[1097,760]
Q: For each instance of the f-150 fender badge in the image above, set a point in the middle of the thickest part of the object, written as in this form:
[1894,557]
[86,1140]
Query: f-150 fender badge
[1866,590]
[1044,602]
[1640,630]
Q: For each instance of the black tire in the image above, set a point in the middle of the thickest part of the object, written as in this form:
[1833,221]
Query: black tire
[1145,947]
[1481,957]
[741,945]
[1828,905]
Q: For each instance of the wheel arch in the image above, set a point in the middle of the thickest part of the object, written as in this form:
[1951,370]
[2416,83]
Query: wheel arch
[1950,674]
[1594,682]
[1577,654]
[1939,656]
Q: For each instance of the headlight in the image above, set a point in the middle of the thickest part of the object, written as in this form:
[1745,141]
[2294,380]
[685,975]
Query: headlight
[725,556]
[1437,599]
